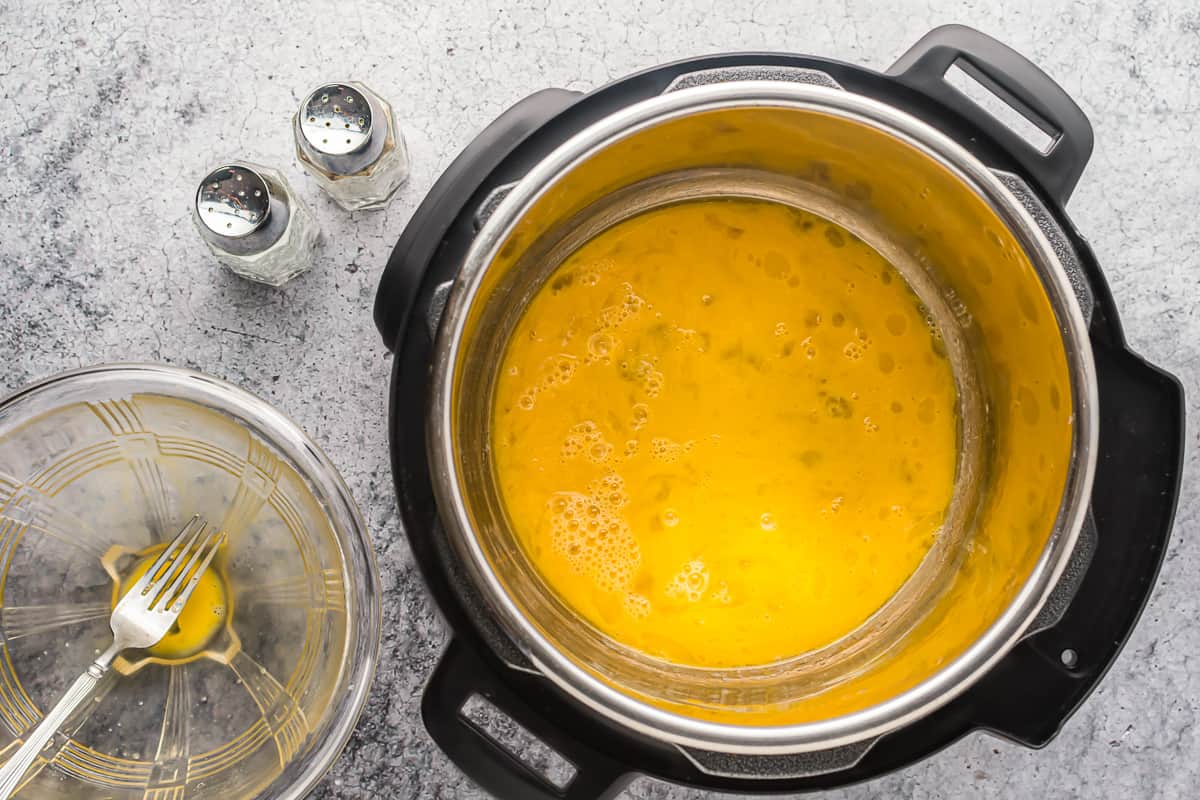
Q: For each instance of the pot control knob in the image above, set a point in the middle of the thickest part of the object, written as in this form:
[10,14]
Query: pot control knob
[348,138]
[254,223]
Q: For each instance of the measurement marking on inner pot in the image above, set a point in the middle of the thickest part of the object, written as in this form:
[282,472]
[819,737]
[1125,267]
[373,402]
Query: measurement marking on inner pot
[731,460]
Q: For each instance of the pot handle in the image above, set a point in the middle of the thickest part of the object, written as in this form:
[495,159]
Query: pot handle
[1016,81]
[460,675]
[1033,691]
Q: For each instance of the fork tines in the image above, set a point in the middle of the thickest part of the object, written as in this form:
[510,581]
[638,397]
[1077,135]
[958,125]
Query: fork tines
[172,577]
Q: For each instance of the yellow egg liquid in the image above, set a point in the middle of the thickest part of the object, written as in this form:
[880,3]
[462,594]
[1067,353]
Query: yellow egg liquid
[725,432]
[199,620]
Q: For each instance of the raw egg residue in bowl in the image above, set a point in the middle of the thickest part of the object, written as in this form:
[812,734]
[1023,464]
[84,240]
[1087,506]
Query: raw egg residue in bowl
[200,619]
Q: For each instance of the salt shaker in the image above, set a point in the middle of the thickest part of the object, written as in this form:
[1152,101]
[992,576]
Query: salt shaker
[255,224]
[348,138]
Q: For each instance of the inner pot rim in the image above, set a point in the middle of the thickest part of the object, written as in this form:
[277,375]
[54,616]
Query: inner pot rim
[931,693]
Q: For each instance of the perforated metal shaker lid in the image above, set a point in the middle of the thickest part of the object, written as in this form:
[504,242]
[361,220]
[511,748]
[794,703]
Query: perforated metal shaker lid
[240,208]
[233,201]
[340,126]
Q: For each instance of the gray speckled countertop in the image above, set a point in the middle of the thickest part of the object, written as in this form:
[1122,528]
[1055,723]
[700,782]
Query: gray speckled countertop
[110,112]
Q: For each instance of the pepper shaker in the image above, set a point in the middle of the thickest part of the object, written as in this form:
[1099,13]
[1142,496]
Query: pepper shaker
[348,138]
[254,223]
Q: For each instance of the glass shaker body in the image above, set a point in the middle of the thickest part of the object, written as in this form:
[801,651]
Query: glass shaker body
[349,140]
[255,224]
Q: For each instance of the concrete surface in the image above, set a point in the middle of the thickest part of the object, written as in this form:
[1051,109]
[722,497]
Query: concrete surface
[111,111]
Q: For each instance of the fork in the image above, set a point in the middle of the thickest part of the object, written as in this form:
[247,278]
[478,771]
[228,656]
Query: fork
[141,619]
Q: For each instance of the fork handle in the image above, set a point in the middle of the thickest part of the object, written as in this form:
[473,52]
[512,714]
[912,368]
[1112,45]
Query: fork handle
[14,769]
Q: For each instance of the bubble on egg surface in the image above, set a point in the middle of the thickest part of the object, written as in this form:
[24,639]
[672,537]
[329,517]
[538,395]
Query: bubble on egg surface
[838,407]
[644,373]
[665,450]
[586,438]
[689,583]
[628,306]
[636,605]
[589,532]
[641,415]
[594,540]
[930,323]
[810,349]
[599,453]
[564,367]
[557,370]
[600,346]
[608,492]
[721,594]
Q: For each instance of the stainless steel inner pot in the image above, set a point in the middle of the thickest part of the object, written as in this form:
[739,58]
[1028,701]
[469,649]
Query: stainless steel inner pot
[1013,331]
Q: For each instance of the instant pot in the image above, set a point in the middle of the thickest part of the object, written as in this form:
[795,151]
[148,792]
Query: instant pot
[1070,450]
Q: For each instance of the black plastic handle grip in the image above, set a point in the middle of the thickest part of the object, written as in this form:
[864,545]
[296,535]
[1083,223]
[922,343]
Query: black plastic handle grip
[460,675]
[1014,79]
[1037,687]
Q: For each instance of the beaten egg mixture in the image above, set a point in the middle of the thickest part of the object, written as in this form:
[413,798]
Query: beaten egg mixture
[724,432]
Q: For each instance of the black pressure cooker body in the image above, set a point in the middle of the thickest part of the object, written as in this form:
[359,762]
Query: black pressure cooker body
[1032,691]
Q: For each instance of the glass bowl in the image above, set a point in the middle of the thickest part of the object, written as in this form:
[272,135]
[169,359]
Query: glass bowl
[100,466]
